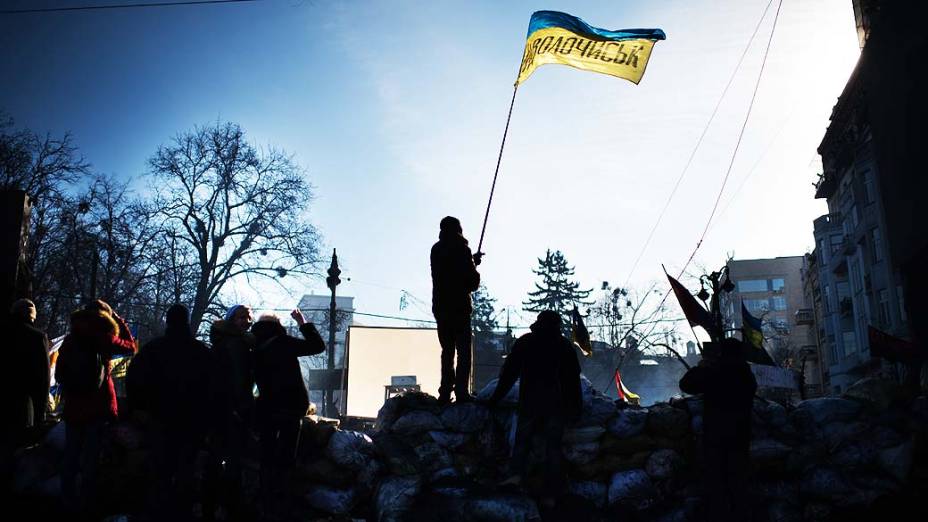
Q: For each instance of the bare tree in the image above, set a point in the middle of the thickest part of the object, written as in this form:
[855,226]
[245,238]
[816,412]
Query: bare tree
[632,322]
[238,209]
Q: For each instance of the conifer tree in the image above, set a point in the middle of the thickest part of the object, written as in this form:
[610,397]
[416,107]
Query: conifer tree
[556,290]
[484,316]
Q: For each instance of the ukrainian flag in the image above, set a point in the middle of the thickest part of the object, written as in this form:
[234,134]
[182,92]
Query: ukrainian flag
[555,37]
[751,328]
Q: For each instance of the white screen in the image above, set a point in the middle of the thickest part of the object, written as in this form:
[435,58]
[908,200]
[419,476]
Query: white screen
[376,354]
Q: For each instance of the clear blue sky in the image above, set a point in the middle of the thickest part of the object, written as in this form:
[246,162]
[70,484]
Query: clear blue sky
[396,110]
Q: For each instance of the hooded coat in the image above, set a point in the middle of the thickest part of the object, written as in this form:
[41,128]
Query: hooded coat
[728,388]
[454,277]
[277,367]
[170,379]
[232,354]
[548,371]
[25,392]
[95,331]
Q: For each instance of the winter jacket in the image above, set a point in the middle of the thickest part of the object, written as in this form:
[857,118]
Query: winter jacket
[549,375]
[170,379]
[99,332]
[454,277]
[25,390]
[728,388]
[281,391]
[233,371]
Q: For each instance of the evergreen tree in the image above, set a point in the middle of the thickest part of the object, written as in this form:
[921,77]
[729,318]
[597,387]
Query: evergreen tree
[556,291]
[484,316]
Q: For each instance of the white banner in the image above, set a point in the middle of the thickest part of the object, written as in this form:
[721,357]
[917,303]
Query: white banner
[774,377]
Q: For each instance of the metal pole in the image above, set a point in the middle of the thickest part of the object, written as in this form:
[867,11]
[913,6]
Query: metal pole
[499,159]
[332,281]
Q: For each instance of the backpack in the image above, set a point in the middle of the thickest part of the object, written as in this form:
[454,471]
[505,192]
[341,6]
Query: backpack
[79,369]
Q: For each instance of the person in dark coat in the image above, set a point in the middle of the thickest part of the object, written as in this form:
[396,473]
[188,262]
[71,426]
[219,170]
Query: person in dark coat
[728,386]
[233,408]
[282,398]
[97,334]
[454,278]
[170,380]
[545,363]
[27,388]
[24,393]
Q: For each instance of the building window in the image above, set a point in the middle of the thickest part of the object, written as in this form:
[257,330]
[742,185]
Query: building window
[836,240]
[899,296]
[850,343]
[757,305]
[826,298]
[822,251]
[777,284]
[781,325]
[752,285]
[877,245]
[885,317]
[869,191]
[779,303]
[855,275]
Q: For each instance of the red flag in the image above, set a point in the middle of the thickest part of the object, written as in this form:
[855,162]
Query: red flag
[618,385]
[624,393]
[694,312]
[890,347]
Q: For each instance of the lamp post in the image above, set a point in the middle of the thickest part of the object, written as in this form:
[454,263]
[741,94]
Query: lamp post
[332,281]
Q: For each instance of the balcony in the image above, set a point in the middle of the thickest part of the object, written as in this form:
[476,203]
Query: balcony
[826,185]
[827,222]
[804,316]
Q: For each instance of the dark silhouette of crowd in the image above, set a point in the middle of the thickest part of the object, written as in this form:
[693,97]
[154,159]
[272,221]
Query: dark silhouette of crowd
[188,398]
[192,399]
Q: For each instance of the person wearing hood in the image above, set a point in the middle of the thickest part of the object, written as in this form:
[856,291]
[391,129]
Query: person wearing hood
[282,398]
[546,365]
[170,380]
[232,349]
[24,396]
[88,395]
[454,278]
[728,385]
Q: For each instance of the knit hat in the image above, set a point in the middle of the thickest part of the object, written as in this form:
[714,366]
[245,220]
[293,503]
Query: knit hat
[230,313]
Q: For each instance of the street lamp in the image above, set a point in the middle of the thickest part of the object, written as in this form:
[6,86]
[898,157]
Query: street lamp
[332,281]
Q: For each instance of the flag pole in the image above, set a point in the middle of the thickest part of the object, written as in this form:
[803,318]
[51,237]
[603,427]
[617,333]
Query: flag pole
[499,159]
[693,330]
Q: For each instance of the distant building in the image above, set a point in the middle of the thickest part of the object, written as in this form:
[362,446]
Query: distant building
[772,290]
[315,309]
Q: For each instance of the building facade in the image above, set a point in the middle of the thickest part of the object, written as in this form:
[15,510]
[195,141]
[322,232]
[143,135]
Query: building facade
[315,309]
[772,290]
[870,252]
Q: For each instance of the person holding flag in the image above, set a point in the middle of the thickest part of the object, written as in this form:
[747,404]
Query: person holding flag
[454,278]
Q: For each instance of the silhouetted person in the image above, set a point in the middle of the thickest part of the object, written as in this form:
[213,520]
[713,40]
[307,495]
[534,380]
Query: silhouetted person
[170,380]
[282,397]
[454,278]
[545,363]
[87,393]
[728,387]
[232,348]
[24,392]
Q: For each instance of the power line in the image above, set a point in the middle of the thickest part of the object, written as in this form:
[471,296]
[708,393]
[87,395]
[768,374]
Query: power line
[120,6]
[705,130]
[744,125]
[733,154]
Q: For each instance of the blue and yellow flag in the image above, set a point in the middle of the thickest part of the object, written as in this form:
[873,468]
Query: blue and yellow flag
[555,37]
[751,328]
